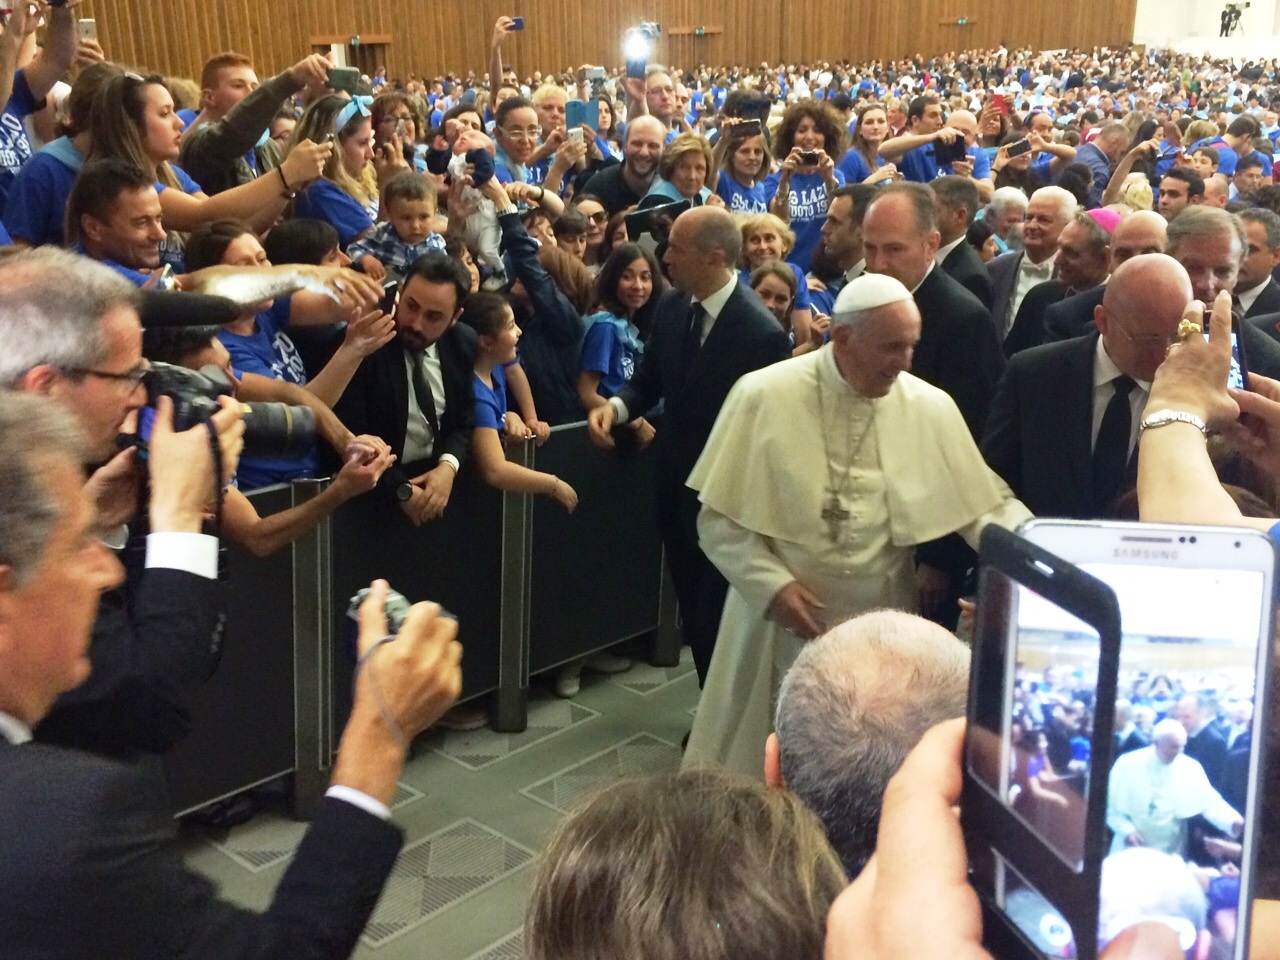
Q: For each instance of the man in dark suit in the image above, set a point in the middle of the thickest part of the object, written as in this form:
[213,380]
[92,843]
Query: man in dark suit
[1128,737]
[157,637]
[1205,742]
[416,393]
[1013,274]
[1083,264]
[707,332]
[1212,245]
[956,201]
[89,863]
[1064,421]
[1258,293]
[842,241]
[1138,233]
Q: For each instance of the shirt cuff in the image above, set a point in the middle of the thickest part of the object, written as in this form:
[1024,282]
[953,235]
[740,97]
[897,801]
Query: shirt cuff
[357,799]
[622,414]
[452,461]
[193,552]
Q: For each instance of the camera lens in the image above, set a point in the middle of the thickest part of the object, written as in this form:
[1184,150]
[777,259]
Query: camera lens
[278,430]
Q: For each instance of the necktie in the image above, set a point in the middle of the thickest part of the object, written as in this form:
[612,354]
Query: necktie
[692,340]
[1111,452]
[422,393]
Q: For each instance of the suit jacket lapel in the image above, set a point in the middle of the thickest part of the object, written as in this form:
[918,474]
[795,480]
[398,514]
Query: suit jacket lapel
[1076,386]
[397,379]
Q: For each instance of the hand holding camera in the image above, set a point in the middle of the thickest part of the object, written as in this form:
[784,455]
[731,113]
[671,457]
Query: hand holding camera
[305,162]
[182,467]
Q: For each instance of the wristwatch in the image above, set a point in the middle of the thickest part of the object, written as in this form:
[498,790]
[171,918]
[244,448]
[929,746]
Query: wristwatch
[1162,418]
[404,492]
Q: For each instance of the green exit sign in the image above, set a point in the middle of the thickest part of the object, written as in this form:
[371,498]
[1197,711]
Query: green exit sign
[962,21]
[699,31]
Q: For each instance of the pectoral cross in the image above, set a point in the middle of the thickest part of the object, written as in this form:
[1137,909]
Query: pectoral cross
[835,515]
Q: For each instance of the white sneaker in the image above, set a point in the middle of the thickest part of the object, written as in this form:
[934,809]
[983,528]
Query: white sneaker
[569,680]
[606,662]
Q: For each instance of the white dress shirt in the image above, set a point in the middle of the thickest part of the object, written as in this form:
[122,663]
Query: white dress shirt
[419,442]
[857,270]
[711,307]
[1029,274]
[1247,297]
[13,729]
[1105,372]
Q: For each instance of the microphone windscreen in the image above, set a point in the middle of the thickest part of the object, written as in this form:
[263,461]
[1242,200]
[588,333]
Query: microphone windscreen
[172,308]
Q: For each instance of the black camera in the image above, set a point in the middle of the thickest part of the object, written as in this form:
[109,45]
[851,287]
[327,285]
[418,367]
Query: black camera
[275,430]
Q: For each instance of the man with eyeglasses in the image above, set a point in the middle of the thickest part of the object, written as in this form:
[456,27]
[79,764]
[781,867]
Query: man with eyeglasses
[69,329]
[1063,426]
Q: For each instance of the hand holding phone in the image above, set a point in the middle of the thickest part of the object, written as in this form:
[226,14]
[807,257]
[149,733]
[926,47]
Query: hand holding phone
[517,23]
[1019,148]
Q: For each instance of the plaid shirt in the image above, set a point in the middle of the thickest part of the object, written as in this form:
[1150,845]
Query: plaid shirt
[393,253]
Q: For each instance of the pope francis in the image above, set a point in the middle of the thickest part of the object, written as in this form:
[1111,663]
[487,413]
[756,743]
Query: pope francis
[820,476]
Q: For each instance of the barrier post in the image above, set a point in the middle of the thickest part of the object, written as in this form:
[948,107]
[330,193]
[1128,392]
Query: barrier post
[511,711]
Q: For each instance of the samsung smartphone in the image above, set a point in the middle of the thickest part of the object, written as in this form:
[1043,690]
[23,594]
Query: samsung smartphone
[344,79]
[578,112]
[1175,759]
[87,29]
[643,221]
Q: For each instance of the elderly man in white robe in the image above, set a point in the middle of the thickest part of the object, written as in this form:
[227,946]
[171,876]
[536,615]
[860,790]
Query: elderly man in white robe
[821,475]
[1153,792]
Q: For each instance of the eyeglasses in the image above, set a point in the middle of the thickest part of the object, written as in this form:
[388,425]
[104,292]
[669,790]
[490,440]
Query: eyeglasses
[601,217]
[532,133]
[130,378]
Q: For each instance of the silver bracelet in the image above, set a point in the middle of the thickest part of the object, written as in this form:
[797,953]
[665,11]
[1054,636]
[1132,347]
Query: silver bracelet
[1162,418]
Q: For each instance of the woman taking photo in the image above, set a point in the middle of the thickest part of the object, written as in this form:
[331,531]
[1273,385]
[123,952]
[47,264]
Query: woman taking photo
[682,174]
[744,163]
[809,139]
[627,290]
[395,118]
[133,120]
[490,316]
[346,194]
[862,162]
[767,239]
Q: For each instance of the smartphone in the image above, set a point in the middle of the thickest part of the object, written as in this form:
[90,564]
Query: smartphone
[1019,148]
[745,129]
[574,134]
[390,287]
[517,23]
[1196,608]
[951,152]
[642,221]
[400,129]
[595,73]
[809,158]
[1239,375]
[1170,154]
[1001,103]
[578,112]
[344,79]
[87,29]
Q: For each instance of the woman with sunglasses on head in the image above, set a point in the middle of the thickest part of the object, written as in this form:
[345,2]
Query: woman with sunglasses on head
[346,194]
[597,217]
[133,120]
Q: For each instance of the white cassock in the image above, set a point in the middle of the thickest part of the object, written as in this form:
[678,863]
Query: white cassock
[1157,799]
[904,470]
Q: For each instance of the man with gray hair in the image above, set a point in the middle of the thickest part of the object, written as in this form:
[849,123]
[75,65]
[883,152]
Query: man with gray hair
[708,331]
[1153,792]
[1212,245]
[956,200]
[1005,214]
[1013,274]
[850,709]
[69,330]
[811,527]
[1255,288]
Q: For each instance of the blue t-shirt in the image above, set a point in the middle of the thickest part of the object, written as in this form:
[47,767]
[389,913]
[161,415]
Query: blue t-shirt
[740,199]
[269,352]
[803,300]
[172,246]
[1228,158]
[854,166]
[611,348]
[325,200]
[809,203]
[717,96]
[5,239]
[187,117]
[15,147]
[491,402]
[39,195]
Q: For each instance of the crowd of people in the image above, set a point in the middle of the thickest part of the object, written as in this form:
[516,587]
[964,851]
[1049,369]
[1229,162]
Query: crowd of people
[806,285]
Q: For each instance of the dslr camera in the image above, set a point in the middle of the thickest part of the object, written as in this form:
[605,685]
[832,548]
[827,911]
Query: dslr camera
[275,430]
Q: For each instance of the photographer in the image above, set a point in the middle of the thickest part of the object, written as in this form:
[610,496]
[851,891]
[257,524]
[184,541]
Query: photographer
[365,459]
[158,636]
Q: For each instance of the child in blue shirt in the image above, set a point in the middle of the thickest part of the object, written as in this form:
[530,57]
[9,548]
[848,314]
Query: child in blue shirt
[392,246]
[491,317]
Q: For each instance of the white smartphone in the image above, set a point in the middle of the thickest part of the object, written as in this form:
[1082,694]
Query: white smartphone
[1197,613]
[575,134]
[88,29]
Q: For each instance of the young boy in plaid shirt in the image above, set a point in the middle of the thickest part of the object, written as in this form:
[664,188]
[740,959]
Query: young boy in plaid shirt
[406,234]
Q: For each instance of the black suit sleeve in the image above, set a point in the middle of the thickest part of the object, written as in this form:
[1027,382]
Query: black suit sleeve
[462,397]
[551,310]
[139,898]
[149,654]
[355,409]
[1002,440]
[972,370]
[646,388]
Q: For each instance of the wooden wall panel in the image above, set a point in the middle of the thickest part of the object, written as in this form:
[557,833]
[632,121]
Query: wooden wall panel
[429,38]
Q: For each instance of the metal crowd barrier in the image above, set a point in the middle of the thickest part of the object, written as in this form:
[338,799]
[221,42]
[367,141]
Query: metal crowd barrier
[532,588]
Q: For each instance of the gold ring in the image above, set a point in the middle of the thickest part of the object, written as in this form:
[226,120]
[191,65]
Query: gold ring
[1188,327]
